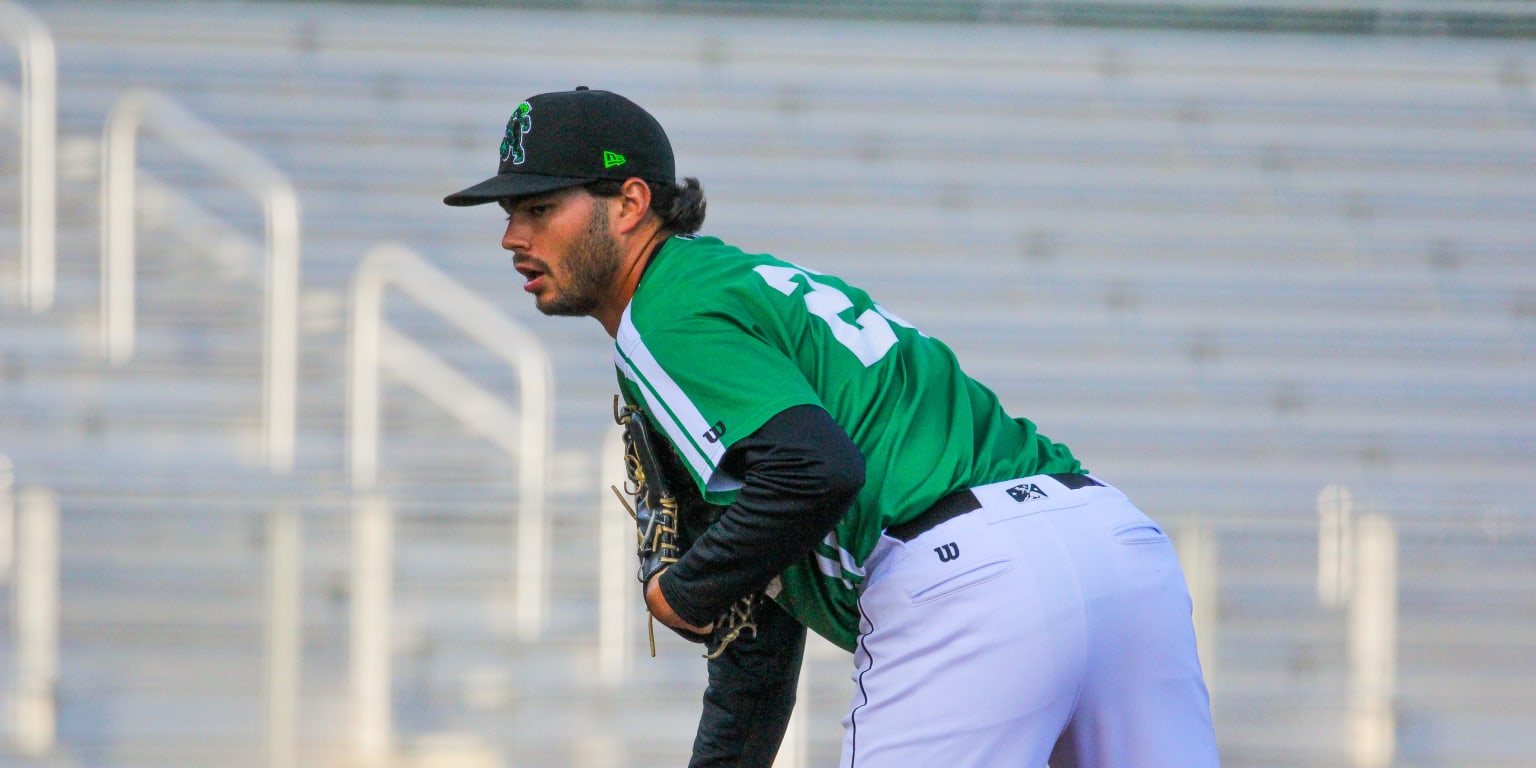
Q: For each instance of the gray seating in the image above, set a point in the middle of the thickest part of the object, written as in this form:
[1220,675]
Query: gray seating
[1227,269]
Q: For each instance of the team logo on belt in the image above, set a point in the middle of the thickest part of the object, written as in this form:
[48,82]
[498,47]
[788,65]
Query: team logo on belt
[1026,492]
[519,124]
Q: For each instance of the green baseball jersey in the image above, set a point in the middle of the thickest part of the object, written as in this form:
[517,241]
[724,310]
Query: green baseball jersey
[715,342]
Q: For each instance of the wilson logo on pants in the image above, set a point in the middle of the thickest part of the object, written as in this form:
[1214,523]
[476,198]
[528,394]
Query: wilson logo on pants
[947,552]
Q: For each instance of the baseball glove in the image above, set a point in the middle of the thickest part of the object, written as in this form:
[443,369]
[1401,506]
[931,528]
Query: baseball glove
[655,481]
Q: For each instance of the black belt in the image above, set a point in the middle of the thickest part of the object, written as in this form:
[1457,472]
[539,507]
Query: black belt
[963,501]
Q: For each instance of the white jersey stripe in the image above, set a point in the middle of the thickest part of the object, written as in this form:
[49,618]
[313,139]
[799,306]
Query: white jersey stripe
[828,567]
[849,566]
[657,405]
[676,414]
[843,569]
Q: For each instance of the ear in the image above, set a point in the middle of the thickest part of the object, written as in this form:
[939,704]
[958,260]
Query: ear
[633,203]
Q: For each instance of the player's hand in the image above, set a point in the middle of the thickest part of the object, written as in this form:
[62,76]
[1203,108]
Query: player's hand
[657,603]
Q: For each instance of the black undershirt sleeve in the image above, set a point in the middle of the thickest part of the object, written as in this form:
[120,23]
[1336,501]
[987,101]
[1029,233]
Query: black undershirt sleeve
[800,472]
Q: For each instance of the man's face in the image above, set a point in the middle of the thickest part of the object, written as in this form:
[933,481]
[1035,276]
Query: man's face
[561,244]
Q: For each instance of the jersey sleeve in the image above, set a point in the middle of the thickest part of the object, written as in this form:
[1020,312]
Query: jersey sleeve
[707,382]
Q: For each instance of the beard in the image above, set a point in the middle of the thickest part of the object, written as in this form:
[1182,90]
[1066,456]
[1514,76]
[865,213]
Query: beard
[590,270]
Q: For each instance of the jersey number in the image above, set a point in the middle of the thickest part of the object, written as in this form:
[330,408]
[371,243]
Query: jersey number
[868,338]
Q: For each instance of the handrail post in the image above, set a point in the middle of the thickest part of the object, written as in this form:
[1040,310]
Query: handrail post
[1373,644]
[284,633]
[1198,554]
[118,195]
[37,622]
[280,207]
[39,139]
[373,587]
[371,674]
[618,593]
[281,325]
[363,378]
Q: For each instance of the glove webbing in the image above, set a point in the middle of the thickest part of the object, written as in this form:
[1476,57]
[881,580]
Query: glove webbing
[656,525]
[737,619]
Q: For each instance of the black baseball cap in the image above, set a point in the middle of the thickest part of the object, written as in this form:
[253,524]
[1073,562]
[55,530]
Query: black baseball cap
[568,138]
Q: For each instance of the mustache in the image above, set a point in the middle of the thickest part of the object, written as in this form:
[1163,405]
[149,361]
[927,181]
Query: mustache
[520,261]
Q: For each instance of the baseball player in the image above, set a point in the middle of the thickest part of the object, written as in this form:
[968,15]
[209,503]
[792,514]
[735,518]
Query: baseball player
[1003,607]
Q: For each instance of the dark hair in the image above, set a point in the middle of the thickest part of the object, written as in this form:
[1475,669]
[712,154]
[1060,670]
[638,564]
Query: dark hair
[679,206]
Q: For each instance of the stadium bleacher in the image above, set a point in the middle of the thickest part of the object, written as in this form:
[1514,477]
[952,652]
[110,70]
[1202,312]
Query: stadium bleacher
[1228,268]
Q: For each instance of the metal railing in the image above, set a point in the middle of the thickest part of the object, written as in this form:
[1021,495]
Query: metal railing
[35,628]
[39,118]
[1197,546]
[202,142]
[1357,576]
[1358,573]
[370,669]
[618,593]
[525,435]
[283,630]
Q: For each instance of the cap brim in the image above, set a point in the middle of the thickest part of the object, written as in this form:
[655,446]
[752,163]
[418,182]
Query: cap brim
[505,185]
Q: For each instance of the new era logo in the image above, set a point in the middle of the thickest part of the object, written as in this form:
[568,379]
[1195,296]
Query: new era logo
[1026,492]
[612,159]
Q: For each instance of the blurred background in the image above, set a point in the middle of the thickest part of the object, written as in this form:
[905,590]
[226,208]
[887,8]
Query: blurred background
[292,473]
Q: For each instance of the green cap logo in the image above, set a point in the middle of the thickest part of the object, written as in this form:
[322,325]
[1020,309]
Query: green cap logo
[611,159]
[519,124]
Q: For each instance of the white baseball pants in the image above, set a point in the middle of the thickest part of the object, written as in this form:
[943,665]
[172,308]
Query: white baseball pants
[1050,626]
